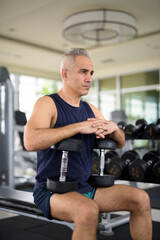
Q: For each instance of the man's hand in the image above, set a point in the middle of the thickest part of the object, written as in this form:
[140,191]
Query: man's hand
[103,127]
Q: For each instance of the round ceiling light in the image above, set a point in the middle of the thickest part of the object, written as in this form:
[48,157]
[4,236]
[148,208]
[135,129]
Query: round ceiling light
[98,27]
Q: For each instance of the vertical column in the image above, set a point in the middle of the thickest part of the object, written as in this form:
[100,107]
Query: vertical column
[97,92]
[6,130]
[118,90]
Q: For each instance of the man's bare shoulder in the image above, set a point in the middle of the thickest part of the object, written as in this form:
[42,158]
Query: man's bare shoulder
[45,102]
[96,111]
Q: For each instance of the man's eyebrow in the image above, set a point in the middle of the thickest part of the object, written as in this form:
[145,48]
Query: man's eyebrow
[86,70]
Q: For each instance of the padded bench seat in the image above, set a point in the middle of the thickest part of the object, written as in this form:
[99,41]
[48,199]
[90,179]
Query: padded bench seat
[18,200]
[21,202]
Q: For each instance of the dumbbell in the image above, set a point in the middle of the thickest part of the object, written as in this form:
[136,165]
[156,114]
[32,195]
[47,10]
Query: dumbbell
[95,165]
[121,125]
[61,184]
[140,169]
[101,179]
[153,130]
[156,169]
[118,166]
[108,156]
[132,131]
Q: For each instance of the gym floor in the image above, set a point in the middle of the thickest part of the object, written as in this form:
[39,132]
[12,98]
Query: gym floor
[19,227]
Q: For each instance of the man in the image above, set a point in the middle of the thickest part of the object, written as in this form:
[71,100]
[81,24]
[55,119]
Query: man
[64,115]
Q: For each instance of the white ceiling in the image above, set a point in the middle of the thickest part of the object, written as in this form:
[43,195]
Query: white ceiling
[31,40]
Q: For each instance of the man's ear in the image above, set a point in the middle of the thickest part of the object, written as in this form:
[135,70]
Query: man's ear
[64,74]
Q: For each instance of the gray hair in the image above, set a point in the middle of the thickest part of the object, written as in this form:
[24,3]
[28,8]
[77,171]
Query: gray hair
[71,54]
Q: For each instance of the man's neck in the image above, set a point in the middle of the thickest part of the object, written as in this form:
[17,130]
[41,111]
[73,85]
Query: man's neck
[70,99]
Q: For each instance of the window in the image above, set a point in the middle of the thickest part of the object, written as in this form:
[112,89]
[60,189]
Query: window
[28,89]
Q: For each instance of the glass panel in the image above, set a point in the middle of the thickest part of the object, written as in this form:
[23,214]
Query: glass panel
[143,104]
[140,79]
[31,88]
[107,104]
[107,84]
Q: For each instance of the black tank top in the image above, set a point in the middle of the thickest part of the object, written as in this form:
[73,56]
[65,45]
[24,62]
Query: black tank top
[80,164]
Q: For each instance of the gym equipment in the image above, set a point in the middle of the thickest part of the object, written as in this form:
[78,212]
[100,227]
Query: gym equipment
[21,120]
[95,165]
[6,129]
[108,156]
[156,170]
[101,179]
[118,166]
[62,185]
[153,130]
[132,131]
[140,169]
[121,125]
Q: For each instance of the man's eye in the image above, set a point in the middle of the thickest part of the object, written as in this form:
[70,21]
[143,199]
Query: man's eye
[83,71]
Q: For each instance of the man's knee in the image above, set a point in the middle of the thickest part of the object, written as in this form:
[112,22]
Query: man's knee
[142,200]
[88,214]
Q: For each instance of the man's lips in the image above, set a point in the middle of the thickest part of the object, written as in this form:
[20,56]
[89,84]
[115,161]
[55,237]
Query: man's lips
[86,86]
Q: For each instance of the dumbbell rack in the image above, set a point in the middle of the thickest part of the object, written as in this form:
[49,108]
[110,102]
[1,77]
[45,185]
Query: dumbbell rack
[155,143]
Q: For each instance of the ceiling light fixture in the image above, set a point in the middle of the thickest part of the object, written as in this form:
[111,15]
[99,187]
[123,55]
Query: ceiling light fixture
[99,27]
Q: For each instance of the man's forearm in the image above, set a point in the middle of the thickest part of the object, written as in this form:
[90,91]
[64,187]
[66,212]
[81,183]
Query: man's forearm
[39,139]
[119,137]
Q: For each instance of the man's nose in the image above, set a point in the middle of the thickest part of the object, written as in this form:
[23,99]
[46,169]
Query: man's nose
[88,77]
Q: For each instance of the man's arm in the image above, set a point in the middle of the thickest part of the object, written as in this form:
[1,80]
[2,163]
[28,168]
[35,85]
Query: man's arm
[108,128]
[39,132]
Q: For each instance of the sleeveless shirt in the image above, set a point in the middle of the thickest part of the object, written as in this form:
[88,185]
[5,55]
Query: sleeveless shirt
[80,163]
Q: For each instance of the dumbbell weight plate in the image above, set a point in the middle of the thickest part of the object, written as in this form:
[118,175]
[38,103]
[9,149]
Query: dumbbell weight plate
[101,181]
[130,155]
[110,154]
[152,155]
[122,125]
[158,122]
[129,131]
[95,166]
[152,130]
[55,186]
[156,171]
[117,166]
[132,131]
[137,169]
[70,144]
[104,143]
[141,122]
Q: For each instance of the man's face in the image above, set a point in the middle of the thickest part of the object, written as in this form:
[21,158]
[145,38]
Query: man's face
[80,75]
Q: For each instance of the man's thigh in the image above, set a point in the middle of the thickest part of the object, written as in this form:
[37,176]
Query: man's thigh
[68,206]
[117,198]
